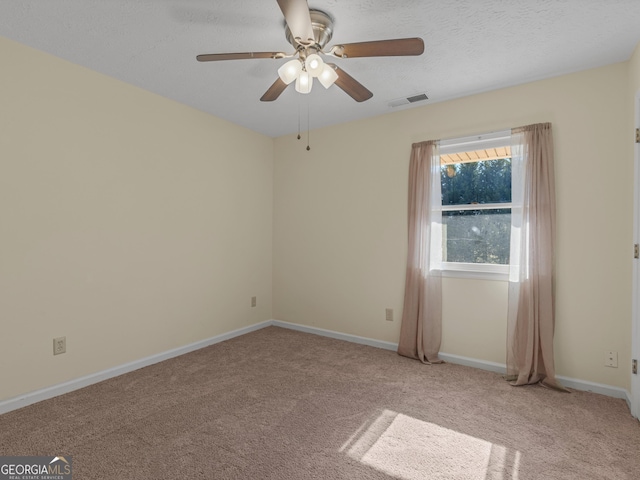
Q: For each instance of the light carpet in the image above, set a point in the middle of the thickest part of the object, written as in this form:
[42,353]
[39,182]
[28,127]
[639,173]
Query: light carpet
[281,404]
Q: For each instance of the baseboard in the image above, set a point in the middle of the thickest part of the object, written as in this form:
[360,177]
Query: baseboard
[77,383]
[568,382]
[337,335]
[600,388]
[501,368]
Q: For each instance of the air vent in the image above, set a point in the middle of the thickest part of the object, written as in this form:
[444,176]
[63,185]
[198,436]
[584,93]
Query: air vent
[421,97]
[417,98]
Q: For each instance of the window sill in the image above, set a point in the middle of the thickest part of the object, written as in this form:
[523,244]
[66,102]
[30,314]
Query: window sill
[477,271]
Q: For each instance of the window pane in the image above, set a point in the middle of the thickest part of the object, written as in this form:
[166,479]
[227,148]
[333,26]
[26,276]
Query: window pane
[476,236]
[487,181]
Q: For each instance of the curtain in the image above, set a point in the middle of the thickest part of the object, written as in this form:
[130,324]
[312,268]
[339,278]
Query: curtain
[531,310]
[421,328]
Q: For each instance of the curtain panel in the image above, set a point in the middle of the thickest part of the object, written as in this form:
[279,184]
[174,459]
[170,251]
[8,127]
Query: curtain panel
[531,310]
[531,305]
[421,328]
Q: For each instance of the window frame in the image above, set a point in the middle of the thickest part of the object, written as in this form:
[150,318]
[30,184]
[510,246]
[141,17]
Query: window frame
[485,271]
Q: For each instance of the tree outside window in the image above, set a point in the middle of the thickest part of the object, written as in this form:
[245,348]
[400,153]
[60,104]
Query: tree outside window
[476,210]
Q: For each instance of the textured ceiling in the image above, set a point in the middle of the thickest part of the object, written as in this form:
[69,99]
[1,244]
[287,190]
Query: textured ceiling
[470,46]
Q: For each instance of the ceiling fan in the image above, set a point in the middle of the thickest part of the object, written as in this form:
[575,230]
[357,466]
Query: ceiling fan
[309,31]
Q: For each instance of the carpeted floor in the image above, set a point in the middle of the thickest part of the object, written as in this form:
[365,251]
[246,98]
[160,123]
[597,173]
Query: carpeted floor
[280,404]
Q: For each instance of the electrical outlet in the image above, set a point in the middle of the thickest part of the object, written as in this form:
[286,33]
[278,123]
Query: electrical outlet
[611,359]
[389,315]
[254,301]
[59,345]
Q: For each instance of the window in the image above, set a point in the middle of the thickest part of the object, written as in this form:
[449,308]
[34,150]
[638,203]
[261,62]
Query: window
[476,203]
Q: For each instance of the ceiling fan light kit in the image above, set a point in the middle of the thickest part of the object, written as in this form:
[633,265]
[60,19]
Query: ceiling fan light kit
[308,32]
[290,71]
[303,74]
[304,83]
[313,65]
[328,76]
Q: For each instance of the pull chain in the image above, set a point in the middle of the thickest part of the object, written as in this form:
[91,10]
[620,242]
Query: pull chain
[308,123]
[299,117]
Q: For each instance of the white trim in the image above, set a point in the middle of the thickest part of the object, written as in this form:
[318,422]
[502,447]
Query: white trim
[500,368]
[77,383]
[475,142]
[477,206]
[486,271]
[574,383]
[634,399]
[337,335]
[66,387]
[494,276]
[568,382]
[586,386]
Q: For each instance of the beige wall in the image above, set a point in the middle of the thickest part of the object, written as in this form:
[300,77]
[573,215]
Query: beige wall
[133,225]
[128,223]
[634,71]
[340,222]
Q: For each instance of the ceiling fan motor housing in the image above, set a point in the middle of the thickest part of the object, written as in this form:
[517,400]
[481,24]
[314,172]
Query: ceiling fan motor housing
[322,25]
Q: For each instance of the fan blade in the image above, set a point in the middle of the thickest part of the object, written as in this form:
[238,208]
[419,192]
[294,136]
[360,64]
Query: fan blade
[214,57]
[296,14]
[274,91]
[380,48]
[350,85]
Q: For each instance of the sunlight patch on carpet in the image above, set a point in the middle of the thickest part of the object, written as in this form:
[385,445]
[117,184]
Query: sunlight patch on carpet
[412,449]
